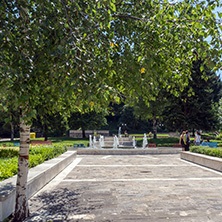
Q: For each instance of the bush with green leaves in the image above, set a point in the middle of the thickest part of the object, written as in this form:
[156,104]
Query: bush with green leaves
[8,167]
[8,152]
[219,137]
[216,152]
[48,152]
[37,155]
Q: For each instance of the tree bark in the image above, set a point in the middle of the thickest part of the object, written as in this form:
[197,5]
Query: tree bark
[21,206]
[45,131]
[12,126]
[12,131]
[83,133]
[154,127]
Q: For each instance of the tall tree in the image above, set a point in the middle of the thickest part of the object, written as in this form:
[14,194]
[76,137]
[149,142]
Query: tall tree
[151,109]
[195,107]
[90,120]
[49,45]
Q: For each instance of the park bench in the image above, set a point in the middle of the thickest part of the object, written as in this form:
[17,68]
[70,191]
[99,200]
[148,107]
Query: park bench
[151,145]
[36,142]
[75,145]
[177,145]
[210,144]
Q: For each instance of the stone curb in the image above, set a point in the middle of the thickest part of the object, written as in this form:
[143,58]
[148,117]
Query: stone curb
[138,151]
[214,163]
[38,177]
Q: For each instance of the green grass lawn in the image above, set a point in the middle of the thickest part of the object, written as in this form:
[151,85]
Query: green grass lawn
[147,134]
[67,141]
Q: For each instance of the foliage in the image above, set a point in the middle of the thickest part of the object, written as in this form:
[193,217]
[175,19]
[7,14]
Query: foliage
[48,152]
[8,168]
[169,141]
[87,121]
[219,137]
[195,107]
[216,152]
[38,154]
[8,152]
[122,115]
[52,124]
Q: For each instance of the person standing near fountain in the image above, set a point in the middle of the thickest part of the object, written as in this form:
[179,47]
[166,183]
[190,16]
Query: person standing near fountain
[185,140]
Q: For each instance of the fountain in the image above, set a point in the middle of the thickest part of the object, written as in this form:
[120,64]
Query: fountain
[120,139]
[94,142]
[101,141]
[90,141]
[119,132]
[115,142]
[144,141]
[134,142]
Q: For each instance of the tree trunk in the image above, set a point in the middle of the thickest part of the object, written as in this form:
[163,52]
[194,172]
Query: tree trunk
[45,131]
[185,127]
[12,131]
[154,127]
[83,133]
[12,126]
[21,206]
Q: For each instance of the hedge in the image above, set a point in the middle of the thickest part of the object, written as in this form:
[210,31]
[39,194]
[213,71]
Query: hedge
[37,155]
[216,152]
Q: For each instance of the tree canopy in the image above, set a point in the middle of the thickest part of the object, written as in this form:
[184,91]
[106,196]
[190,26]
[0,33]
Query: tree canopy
[196,107]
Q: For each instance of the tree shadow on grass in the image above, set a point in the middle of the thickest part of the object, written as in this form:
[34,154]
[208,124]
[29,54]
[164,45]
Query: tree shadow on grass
[59,205]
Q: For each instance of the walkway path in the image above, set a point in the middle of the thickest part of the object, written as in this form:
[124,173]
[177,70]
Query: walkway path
[133,188]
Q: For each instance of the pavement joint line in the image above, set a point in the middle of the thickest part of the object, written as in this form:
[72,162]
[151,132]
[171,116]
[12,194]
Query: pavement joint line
[202,167]
[147,165]
[141,179]
[56,180]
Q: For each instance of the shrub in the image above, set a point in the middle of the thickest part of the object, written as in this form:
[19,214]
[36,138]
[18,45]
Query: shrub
[219,137]
[37,155]
[216,152]
[35,160]
[8,152]
[8,168]
[48,152]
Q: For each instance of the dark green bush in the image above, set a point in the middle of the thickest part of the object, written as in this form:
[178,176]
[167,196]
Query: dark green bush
[216,152]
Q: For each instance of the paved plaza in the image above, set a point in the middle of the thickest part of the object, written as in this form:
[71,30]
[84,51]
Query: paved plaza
[125,188]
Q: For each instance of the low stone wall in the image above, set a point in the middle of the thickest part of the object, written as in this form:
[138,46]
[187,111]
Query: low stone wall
[203,160]
[38,177]
[78,133]
[128,151]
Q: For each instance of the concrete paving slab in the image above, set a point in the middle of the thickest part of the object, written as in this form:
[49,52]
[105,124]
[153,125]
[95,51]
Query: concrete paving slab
[131,188]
